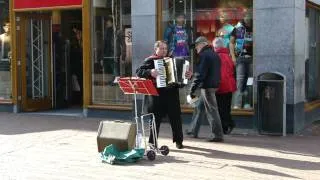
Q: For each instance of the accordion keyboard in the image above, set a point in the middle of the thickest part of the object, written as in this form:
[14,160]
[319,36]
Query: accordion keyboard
[161,78]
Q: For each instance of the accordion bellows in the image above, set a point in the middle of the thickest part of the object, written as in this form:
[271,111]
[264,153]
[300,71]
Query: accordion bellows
[171,71]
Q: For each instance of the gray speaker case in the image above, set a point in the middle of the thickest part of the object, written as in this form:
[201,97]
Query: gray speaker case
[120,134]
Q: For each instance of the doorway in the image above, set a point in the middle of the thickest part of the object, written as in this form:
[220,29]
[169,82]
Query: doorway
[67,60]
[50,54]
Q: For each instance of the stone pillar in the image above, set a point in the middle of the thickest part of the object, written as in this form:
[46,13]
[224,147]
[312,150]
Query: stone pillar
[144,26]
[279,46]
[143,30]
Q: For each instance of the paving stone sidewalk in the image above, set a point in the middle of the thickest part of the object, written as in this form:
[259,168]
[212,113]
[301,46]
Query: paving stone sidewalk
[57,147]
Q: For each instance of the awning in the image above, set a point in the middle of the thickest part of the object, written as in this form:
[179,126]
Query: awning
[45,4]
[315,1]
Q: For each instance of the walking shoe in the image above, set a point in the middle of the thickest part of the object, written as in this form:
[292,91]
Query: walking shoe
[225,130]
[191,134]
[179,146]
[229,130]
[215,140]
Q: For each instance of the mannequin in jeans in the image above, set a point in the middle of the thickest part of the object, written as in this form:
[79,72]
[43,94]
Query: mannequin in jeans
[244,60]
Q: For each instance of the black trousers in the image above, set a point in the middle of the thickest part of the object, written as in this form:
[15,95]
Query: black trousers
[166,104]
[224,106]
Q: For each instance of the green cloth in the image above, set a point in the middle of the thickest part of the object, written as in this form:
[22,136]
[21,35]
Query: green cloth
[112,155]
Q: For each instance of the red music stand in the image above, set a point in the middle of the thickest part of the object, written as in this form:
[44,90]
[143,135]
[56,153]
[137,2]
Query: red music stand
[135,85]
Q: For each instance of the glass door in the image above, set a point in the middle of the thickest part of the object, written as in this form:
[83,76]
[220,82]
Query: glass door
[35,54]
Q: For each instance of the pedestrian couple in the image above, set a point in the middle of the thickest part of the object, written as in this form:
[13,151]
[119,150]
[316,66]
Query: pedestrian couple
[215,76]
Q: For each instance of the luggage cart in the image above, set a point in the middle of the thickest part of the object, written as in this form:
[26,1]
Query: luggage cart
[134,85]
[151,149]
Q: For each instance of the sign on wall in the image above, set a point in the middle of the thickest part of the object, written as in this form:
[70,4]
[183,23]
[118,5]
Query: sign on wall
[31,4]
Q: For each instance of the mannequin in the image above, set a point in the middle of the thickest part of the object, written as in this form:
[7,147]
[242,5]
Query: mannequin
[228,33]
[5,56]
[244,36]
[177,37]
[244,45]
[5,50]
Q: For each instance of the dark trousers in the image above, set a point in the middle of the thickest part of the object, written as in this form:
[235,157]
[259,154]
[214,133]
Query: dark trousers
[212,112]
[224,105]
[166,104]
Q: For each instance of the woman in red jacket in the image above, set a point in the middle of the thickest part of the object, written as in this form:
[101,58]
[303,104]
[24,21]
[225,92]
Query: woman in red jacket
[227,85]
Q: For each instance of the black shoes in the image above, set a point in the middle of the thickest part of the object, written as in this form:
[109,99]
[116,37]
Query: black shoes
[228,130]
[179,146]
[216,140]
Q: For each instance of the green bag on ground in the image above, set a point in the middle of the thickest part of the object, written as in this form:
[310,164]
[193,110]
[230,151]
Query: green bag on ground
[112,155]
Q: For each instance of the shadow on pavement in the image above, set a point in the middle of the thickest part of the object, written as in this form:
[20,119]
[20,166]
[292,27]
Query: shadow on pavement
[293,145]
[14,124]
[266,172]
[281,162]
[290,145]
[159,160]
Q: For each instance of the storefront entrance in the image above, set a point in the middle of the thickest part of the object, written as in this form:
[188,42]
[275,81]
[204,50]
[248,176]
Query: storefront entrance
[49,60]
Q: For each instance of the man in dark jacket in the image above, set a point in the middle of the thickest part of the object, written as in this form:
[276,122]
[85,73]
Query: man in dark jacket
[207,78]
[168,102]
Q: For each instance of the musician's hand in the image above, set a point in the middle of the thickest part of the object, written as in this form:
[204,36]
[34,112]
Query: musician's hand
[188,74]
[154,73]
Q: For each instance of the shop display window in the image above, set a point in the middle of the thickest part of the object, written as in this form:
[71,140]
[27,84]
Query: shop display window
[5,52]
[112,49]
[185,20]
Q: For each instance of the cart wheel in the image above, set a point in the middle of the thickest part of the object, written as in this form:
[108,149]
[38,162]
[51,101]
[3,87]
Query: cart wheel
[164,150]
[151,155]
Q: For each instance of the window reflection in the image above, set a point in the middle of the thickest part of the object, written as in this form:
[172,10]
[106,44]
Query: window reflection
[112,47]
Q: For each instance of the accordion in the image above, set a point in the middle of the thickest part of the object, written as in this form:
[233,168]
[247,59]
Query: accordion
[171,71]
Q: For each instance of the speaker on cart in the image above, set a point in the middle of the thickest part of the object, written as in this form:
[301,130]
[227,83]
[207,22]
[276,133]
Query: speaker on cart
[121,134]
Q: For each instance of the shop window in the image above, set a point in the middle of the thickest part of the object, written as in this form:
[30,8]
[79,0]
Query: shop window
[221,18]
[112,47]
[312,54]
[5,51]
